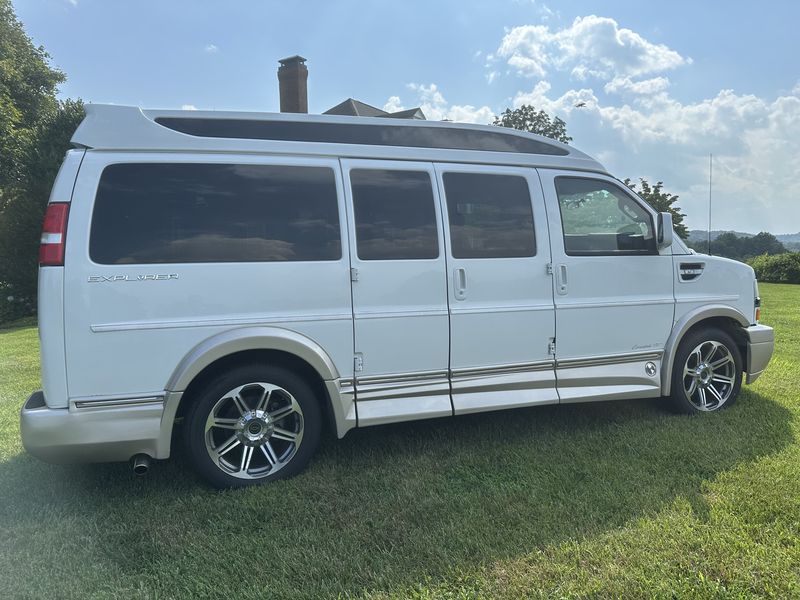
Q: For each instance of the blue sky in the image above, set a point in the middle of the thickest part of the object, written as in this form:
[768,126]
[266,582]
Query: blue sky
[664,84]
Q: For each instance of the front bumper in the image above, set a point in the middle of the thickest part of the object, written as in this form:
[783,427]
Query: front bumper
[106,432]
[760,345]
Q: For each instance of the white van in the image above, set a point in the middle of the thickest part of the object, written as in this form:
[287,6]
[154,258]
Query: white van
[258,277]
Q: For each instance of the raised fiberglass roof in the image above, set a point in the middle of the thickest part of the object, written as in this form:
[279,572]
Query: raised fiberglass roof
[123,127]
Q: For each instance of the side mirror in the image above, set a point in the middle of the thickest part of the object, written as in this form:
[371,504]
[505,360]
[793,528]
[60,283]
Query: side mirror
[665,231]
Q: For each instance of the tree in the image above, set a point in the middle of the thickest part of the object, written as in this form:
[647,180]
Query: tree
[527,118]
[27,94]
[744,247]
[662,202]
[35,129]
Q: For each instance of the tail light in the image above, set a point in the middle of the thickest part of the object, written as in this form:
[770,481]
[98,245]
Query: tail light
[54,235]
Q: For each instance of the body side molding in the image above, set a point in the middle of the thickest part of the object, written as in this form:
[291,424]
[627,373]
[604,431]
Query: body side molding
[683,325]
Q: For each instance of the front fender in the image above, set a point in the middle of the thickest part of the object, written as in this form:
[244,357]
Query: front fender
[683,325]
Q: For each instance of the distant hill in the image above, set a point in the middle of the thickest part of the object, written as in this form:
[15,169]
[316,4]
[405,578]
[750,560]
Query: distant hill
[699,235]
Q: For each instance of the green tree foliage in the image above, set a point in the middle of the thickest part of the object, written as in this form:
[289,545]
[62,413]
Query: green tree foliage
[661,201]
[742,248]
[527,118]
[27,93]
[778,268]
[35,129]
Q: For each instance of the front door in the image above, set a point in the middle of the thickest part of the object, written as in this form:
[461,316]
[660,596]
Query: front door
[502,320]
[613,288]
[399,288]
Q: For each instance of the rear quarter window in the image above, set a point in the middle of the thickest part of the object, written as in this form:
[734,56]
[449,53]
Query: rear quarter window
[149,213]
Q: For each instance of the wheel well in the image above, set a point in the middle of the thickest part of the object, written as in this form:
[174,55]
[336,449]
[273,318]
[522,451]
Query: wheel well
[273,357]
[730,326]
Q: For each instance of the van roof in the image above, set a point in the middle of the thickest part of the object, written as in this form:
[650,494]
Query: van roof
[130,128]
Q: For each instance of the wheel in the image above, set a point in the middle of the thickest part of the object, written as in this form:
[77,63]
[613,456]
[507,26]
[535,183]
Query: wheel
[253,424]
[707,375]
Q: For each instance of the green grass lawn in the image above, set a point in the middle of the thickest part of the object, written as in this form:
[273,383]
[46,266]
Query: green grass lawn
[609,500]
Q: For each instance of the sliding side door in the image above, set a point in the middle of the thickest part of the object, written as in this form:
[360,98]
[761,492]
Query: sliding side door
[502,320]
[399,291]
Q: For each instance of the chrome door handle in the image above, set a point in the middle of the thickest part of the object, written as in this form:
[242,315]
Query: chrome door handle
[561,279]
[460,283]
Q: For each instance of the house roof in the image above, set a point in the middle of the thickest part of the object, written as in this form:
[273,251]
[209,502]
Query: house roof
[355,108]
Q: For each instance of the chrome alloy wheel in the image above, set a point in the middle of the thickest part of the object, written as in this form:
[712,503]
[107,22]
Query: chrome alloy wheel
[709,376]
[254,430]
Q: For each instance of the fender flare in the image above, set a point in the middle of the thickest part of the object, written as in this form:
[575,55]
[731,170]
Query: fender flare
[250,338]
[683,325]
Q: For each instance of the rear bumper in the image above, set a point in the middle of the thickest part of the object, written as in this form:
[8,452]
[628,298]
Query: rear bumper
[760,345]
[105,432]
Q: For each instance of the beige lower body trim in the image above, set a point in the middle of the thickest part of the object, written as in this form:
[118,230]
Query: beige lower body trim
[509,386]
[402,397]
[616,377]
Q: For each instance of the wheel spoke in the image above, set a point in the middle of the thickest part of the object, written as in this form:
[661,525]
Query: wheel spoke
[269,453]
[722,361]
[692,388]
[722,379]
[247,455]
[280,433]
[240,404]
[264,400]
[711,352]
[282,412]
[697,355]
[227,446]
[715,393]
[224,423]
[702,393]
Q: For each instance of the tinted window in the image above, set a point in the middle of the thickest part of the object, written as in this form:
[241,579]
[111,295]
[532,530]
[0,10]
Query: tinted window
[490,215]
[383,134]
[600,218]
[188,213]
[395,215]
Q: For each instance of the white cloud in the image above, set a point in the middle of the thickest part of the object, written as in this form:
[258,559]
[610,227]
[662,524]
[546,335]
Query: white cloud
[755,143]
[436,108]
[622,85]
[188,107]
[591,47]
[393,104]
[211,48]
[73,2]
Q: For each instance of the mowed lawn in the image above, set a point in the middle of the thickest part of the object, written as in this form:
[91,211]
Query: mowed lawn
[606,500]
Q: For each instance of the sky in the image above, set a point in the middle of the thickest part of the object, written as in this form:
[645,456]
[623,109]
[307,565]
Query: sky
[661,86]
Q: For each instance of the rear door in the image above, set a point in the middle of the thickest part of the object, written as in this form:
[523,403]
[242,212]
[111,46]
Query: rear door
[399,288]
[502,319]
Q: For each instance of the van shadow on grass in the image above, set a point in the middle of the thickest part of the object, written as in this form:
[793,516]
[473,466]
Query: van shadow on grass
[390,506]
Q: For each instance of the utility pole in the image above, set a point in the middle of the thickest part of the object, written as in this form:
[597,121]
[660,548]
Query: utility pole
[710,167]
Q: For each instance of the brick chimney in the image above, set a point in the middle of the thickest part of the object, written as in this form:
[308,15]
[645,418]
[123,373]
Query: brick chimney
[293,83]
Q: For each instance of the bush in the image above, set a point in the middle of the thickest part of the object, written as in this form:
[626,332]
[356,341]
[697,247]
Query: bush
[778,268]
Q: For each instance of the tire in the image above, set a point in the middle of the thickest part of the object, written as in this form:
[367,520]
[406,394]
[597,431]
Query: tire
[251,425]
[707,372]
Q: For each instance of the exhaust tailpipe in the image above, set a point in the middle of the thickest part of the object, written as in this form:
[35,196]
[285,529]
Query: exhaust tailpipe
[141,464]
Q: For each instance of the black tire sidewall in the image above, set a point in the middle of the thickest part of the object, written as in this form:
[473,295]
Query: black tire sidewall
[678,398]
[204,401]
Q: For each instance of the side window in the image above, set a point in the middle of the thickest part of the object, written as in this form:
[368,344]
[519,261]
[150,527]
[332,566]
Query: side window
[147,213]
[599,218]
[395,214]
[490,215]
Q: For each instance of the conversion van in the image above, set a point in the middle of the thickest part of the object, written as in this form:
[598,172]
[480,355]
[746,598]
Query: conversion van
[259,277]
